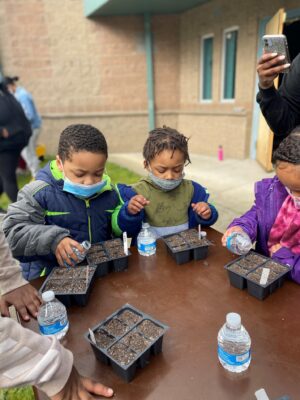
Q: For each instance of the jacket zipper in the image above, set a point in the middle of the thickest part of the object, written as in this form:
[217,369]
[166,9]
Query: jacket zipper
[87,204]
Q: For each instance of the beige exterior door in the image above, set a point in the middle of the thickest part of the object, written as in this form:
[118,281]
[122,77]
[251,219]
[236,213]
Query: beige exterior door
[265,135]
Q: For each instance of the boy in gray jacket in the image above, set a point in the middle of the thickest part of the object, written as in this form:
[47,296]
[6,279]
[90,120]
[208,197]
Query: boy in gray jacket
[72,200]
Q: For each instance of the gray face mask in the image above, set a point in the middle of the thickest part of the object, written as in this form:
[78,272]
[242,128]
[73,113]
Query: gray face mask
[165,184]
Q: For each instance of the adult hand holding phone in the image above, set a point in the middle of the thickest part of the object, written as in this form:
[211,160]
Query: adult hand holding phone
[268,67]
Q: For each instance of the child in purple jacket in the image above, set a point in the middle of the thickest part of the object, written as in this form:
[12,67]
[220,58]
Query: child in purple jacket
[274,219]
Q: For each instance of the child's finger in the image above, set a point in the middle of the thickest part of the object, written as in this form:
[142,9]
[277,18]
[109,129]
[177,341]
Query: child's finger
[138,206]
[141,200]
[206,212]
[65,257]
[201,209]
[224,238]
[77,245]
[59,259]
[4,311]
[70,251]
[135,209]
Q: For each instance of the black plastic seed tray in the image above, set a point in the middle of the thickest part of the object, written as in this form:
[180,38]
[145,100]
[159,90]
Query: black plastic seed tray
[186,245]
[70,285]
[108,256]
[245,272]
[126,339]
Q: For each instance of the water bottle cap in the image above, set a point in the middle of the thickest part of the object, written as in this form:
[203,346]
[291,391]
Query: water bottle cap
[145,225]
[86,245]
[233,320]
[48,296]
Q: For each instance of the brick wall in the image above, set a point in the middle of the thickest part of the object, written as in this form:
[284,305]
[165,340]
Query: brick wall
[94,70]
[90,70]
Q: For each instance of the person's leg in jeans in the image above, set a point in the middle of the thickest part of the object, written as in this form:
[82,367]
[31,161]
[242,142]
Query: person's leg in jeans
[8,165]
[29,153]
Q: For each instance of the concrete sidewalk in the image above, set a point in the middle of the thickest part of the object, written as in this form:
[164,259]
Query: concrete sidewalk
[230,182]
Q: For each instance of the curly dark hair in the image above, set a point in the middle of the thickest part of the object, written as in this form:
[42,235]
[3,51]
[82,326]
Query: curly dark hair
[80,137]
[165,138]
[289,149]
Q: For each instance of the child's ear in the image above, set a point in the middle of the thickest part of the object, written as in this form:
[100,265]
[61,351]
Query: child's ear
[146,165]
[59,163]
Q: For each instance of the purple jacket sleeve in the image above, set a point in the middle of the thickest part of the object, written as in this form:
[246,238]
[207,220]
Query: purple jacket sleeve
[285,256]
[248,222]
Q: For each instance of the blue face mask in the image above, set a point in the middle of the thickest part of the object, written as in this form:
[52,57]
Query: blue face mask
[165,184]
[82,191]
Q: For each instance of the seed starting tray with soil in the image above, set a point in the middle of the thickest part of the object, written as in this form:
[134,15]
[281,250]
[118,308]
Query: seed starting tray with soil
[126,339]
[70,285]
[108,256]
[186,246]
[246,271]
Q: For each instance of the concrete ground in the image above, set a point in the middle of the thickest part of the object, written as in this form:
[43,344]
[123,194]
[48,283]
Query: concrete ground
[229,182]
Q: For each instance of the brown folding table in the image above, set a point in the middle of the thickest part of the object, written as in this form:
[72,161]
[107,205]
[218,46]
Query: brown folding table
[193,299]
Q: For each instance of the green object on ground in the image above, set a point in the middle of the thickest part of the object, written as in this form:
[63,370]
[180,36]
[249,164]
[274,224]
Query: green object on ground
[17,394]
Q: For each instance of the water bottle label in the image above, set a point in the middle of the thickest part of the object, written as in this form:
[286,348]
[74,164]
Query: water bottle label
[53,328]
[147,248]
[234,359]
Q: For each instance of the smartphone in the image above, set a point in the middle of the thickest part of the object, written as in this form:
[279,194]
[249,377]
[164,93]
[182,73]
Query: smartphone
[277,44]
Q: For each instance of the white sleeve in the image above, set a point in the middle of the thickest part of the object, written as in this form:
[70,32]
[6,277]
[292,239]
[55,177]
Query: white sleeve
[10,270]
[27,358]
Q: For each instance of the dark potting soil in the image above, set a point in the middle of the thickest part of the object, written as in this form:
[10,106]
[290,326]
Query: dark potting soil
[129,318]
[150,330]
[136,342]
[59,285]
[275,267]
[116,252]
[79,286]
[95,258]
[116,327]
[246,264]
[103,340]
[256,275]
[238,269]
[121,353]
[70,273]
[113,243]
[255,259]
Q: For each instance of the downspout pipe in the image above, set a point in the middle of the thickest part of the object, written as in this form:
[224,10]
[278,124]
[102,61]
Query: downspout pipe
[150,77]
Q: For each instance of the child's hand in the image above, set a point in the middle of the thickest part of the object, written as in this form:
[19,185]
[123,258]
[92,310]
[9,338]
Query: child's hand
[229,232]
[136,204]
[64,251]
[26,300]
[202,209]
[275,248]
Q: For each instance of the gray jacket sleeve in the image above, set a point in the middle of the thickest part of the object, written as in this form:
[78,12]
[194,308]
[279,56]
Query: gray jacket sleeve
[24,225]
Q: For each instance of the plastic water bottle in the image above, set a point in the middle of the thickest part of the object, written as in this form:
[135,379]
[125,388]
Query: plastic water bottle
[146,241]
[52,316]
[239,243]
[234,345]
[86,245]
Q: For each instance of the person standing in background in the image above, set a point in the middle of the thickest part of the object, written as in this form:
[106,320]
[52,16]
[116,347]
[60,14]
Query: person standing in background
[15,132]
[28,105]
